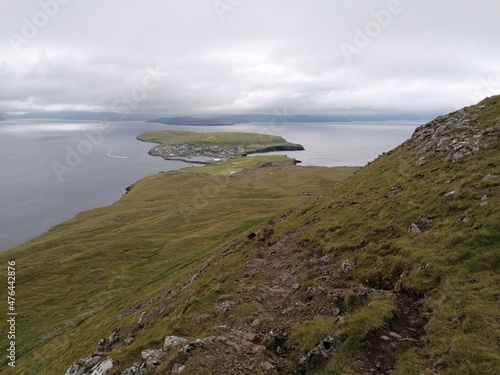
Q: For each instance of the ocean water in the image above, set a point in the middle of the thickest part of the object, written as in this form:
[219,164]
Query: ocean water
[51,170]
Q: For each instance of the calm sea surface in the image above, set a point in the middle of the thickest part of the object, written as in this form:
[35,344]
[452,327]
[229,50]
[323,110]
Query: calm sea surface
[51,170]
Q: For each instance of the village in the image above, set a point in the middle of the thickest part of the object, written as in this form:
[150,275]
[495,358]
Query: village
[201,154]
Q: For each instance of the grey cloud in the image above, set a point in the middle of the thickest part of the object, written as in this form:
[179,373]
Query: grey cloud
[263,54]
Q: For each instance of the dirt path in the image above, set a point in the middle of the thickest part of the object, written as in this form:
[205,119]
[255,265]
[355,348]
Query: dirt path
[384,345]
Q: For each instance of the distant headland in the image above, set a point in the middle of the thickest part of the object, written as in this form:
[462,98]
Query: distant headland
[210,148]
[245,118]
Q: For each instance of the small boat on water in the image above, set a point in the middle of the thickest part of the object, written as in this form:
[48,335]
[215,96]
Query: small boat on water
[115,156]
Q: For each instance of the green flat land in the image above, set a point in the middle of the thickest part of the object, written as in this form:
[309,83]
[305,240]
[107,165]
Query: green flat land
[252,141]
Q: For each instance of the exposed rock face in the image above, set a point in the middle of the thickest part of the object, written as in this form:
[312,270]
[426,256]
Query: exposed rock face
[106,344]
[347,265]
[152,357]
[295,147]
[93,365]
[177,368]
[103,367]
[136,369]
[393,191]
[326,348]
[173,341]
[128,188]
[425,220]
[457,134]
[196,344]
[224,307]
[450,193]
[421,161]
[414,229]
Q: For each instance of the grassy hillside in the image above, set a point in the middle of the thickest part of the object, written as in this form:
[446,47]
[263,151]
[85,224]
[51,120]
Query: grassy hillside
[281,270]
[75,280]
[446,270]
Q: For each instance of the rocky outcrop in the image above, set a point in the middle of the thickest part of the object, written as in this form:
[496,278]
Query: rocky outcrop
[136,369]
[150,358]
[293,147]
[414,229]
[456,135]
[325,349]
[129,188]
[393,191]
[173,341]
[95,364]
[106,344]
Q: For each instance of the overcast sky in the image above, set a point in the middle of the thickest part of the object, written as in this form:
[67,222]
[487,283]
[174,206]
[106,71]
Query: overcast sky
[229,56]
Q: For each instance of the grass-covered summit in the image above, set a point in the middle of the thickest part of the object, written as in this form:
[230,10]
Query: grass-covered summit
[279,269]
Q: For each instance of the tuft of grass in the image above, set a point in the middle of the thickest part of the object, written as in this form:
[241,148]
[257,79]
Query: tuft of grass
[308,334]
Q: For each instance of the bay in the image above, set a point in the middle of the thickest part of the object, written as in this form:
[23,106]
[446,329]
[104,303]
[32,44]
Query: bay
[50,170]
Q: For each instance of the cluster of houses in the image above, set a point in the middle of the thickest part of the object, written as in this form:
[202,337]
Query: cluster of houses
[188,151]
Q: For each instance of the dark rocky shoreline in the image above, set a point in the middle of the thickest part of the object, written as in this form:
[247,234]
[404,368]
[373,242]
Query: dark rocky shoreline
[295,147]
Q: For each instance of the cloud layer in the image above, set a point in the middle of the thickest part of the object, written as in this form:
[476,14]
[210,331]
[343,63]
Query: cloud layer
[317,56]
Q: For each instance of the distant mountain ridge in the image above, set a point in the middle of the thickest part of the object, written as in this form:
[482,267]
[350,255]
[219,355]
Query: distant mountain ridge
[188,120]
[4,116]
[245,118]
[284,118]
[206,119]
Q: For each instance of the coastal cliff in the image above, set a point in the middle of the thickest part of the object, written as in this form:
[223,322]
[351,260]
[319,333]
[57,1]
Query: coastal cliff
[277,148]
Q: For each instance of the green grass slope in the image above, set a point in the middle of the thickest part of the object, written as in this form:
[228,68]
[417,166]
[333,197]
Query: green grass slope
[394,271]
[444,181]
[76,280]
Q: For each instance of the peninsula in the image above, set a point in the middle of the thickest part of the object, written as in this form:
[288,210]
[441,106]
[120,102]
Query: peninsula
[208,148]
